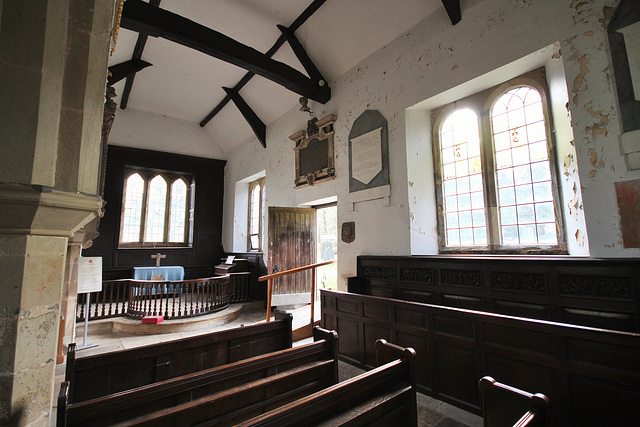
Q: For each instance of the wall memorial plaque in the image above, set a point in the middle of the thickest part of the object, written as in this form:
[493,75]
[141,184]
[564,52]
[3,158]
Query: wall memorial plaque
[314,152]
[624,43]
[369,159]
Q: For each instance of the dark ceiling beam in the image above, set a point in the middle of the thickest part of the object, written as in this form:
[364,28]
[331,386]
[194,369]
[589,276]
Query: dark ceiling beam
[125,69]
[259,128]
[297,23]
[302,55]
[144,18]
[453,10]
[137,56]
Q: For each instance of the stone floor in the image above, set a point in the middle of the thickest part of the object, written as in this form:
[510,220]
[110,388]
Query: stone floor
[431,412]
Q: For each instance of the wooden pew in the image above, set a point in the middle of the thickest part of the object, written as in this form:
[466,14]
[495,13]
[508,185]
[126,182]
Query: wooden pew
[220,396]
[99,375]
[506,406]
[384,396]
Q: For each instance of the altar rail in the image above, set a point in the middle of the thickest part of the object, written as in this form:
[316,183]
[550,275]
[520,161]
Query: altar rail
[603,293]
[173,300]
[178,299]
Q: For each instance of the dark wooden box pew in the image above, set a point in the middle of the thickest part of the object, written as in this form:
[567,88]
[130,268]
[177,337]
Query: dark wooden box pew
[99,375]
[221,396]
[384,396]
[590,375]
[506,406]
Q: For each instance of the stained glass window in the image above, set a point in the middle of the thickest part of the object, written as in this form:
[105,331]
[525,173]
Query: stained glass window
[525,197]
[178,219]
[462,180]
[497,186]
[132,214]
[255,213]
[155,209]
[154,230]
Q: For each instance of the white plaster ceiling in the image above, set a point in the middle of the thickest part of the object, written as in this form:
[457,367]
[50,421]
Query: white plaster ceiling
[186,84]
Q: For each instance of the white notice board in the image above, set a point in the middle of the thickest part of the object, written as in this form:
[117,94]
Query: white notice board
[89,274]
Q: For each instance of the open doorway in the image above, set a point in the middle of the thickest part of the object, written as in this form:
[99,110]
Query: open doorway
[327,245]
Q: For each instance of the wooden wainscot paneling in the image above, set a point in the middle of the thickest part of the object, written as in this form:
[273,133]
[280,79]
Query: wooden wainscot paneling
[603,293]
[461,381]
[592,376]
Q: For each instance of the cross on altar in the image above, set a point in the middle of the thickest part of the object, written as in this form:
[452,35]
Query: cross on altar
[158,256]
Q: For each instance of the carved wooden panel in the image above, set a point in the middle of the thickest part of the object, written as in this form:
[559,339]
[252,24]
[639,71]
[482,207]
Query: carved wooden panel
[424,275]
[603,293]
[472,279]
[519,282]
[593,286]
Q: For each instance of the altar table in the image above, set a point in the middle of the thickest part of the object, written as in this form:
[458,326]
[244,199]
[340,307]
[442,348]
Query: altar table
[168,273]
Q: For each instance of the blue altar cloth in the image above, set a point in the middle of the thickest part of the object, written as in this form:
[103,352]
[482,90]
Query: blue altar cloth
[158,273]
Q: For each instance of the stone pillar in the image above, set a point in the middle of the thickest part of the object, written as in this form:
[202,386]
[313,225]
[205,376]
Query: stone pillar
[53,63]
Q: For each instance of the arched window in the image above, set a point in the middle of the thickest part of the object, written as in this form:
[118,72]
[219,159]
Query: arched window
[132,212]
[462,179]
[178,211]
[495,177]
[525,197]
[255,213]
[155,209]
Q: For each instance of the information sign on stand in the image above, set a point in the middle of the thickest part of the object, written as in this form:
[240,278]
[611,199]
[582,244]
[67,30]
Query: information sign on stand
[89,280]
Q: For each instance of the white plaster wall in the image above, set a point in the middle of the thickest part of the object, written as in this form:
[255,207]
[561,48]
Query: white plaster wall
[430,59]
[151,131]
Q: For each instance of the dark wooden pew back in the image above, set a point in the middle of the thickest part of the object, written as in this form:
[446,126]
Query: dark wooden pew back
[100,375]
[227,394]
[506,406]
[384,396]
[591,376]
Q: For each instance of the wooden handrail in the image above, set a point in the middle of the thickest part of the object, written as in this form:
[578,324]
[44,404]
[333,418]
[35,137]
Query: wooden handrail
[269,278]
[295,270]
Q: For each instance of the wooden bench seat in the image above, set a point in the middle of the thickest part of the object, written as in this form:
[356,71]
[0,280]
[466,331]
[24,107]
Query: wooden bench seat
[220,396]
[103,374]
[384,396]
[507,406]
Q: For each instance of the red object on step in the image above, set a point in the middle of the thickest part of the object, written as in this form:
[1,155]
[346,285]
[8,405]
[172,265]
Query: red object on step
[152,319]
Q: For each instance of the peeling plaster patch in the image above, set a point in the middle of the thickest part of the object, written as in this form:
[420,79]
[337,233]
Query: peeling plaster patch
[568,161]
[578,82]
[594,160]
[607,13]
[454,67]
[599,127]
[588,33]
[573,207]
[580,238]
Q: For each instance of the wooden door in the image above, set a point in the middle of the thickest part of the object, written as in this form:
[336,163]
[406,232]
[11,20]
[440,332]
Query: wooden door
[292,244]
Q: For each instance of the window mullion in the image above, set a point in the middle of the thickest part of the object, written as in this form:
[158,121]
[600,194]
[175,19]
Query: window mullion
[489,181]
[167,213]
[143,219]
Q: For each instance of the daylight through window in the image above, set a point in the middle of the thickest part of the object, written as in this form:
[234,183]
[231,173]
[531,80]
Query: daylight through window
[497,179]
[155,209]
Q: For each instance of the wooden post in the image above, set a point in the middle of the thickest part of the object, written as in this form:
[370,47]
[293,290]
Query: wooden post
[269,294]
[314,274]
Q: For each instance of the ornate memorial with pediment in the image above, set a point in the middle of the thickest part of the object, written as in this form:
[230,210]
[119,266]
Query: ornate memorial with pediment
[314,152]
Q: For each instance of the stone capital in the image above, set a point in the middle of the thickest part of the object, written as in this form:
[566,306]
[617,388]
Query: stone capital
[45,211]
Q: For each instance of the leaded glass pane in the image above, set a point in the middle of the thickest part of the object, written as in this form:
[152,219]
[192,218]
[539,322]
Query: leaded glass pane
[132,215]
[178,212]
[157,200]
[462,178]
[524,197]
